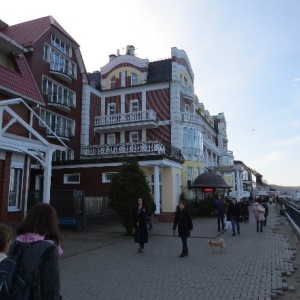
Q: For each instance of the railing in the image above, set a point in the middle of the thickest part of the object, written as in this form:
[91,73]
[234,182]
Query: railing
[146,148]
[61,131]
[147,115]
[193,152]
[64,68]
[292,209]
[191,118]
[62,100]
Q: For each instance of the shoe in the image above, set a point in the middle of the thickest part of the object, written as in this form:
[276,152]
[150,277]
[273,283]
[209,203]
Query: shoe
[151,227]
[141,250]
[261,231]
[183,255]
[219,230]
[233,234]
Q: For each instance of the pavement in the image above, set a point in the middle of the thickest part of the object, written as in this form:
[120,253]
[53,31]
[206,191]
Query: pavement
[101,262]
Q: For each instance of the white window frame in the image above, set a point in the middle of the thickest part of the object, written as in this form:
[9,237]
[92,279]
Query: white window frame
[134,105]
[111,109]
[67,178]
[15,186]
[134,136]
[134,79]
[106,177]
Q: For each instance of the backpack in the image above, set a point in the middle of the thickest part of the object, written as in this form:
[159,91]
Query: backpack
[13,282]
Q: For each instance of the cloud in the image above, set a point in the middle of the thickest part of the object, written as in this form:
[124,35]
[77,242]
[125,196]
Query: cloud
[296,80]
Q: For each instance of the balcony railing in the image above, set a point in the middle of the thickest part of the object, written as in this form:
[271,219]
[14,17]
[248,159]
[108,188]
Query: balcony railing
[191,118]
[148,148]
[59,100]
[62,70]
[60,131]
[188,95]
[140,119]
[193,153]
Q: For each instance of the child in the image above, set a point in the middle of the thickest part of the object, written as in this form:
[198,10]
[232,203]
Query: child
[6,234]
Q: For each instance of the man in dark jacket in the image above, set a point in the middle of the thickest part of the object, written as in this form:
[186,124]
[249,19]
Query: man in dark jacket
[234,214]
[220,212]
[185,225]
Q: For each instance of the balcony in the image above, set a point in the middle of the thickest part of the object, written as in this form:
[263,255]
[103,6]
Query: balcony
[60,102]
[192,118]
[139,150]
[61,71]
[128,121]
[188,96]
[63,132]
[193,154]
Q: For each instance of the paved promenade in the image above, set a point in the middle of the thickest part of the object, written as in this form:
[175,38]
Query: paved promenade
[103,263]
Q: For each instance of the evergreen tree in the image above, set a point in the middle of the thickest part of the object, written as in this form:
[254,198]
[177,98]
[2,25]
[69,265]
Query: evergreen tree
[126,187]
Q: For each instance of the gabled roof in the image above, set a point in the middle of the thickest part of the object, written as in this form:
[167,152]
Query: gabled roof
[27,33]
[160,71]
[19,82]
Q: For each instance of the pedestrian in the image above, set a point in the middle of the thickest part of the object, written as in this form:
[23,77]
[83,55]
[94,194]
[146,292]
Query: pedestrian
[266,207]
[219,211]
[39,238]
[185,225]
[6,235]
[149,219]
[245,210]
[234,214]
[140,217]
[259,214]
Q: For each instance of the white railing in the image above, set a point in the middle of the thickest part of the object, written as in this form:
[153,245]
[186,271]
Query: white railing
[191,118]
[147,115]
[146,148]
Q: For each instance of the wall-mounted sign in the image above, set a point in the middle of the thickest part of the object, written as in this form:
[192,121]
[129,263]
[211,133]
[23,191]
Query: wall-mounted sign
[208,190]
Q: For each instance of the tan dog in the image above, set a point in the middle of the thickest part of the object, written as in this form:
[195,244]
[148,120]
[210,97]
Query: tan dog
[216,244]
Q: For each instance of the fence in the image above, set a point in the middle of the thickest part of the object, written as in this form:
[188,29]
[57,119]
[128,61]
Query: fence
[292,209]
[74,208]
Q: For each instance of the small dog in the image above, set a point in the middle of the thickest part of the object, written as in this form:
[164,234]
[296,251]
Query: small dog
[215,244]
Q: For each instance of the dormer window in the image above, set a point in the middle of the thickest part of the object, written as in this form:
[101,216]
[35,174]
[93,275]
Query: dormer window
[134,79]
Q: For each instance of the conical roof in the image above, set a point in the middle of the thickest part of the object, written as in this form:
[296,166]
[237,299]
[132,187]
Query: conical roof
[209,180]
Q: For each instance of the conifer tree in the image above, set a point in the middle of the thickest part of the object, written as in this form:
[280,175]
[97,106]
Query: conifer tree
[126,187]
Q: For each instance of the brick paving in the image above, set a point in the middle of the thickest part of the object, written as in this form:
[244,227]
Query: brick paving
[103,263]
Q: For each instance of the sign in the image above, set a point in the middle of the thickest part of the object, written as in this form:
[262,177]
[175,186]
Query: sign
[207,190]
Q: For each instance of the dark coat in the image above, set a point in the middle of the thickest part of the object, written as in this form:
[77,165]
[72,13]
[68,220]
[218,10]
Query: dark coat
[140,225]
[234,210]
[184,221]
[40,261]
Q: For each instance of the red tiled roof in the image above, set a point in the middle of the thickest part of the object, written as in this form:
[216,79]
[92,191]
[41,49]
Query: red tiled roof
[27,33]
[20,83]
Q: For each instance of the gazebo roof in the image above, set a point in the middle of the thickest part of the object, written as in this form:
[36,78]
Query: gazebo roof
[209,180]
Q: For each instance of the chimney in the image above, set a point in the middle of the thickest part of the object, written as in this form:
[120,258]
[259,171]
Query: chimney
[112,56]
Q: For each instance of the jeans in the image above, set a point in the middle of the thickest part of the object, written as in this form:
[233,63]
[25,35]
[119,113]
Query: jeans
[234,221]
[221,221]
[184,244]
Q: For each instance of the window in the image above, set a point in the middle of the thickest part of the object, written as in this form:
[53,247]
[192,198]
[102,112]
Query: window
[59,63]
[113,82]
[134,137]
[59,155]
[61,45]
[111,138]
[57,93]
[189,175]
[72,178]
[106,177]
[134,79]
[134,106]
[15,187]
[186,108]
[111,109]
[61,126]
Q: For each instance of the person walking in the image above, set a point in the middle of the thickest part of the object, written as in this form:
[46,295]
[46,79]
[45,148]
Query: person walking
[6,235]
[245,210]
[220,212]
[149,219]
[38,237]
[234,214]
[140,216]
[185,225]
[259,214]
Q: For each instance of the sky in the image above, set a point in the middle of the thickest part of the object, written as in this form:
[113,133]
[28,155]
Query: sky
[245,55]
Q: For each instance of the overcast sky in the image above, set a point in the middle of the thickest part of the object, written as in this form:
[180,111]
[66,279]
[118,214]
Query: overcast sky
[245,55]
